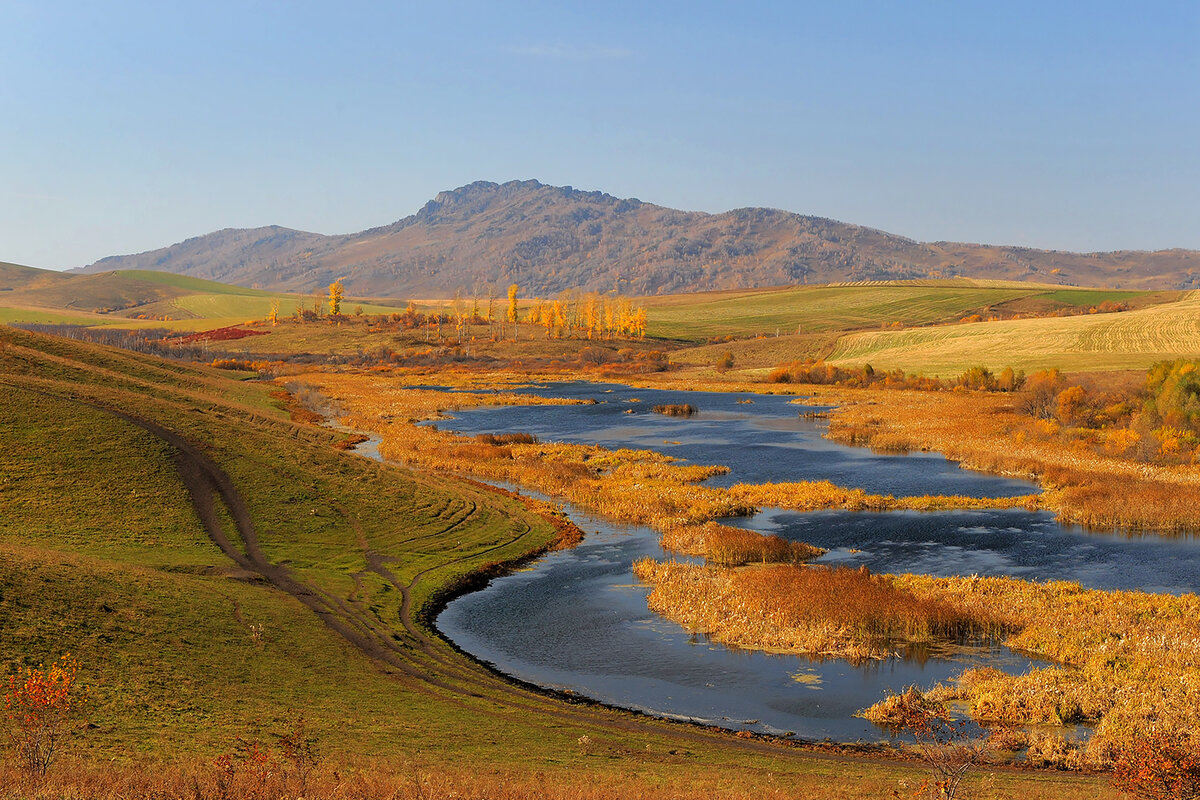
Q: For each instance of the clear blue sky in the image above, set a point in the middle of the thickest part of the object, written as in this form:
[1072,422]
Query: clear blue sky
[128,126]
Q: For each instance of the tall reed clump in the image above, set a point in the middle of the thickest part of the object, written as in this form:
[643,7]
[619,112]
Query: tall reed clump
[675,409]
[735,547]
[819,611]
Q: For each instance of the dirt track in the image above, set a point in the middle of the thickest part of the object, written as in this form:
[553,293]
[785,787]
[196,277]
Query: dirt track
[437,668]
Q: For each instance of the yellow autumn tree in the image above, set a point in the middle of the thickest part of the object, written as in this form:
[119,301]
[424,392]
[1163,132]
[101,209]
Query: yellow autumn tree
[560,316]
[639,323]
[335,297]
[513,289]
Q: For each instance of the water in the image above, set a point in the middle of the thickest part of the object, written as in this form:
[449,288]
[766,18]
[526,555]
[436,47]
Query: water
[578,620]
[761,441]
[1019,544]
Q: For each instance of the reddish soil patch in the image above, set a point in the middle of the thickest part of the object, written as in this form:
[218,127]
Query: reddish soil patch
[219,335]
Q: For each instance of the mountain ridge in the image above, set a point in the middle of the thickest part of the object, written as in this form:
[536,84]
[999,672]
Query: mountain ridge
[554,238]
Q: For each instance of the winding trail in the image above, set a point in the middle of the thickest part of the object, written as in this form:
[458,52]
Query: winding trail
[451,672]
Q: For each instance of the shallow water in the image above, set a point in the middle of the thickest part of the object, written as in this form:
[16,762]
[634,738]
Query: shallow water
[765,440]
[1016,543]
[578,620]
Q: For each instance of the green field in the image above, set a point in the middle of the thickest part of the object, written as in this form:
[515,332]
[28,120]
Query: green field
[697,317]
[190,639]
[52,317]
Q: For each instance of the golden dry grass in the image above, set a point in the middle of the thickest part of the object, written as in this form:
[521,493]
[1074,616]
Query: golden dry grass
[1128,340]
[733,547]
[819,495]
[638,486]
[275,779]
[1129,662]
[818,611]
[609,772]
[985,431]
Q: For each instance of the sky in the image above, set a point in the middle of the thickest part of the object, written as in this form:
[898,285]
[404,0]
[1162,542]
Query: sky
[127,126]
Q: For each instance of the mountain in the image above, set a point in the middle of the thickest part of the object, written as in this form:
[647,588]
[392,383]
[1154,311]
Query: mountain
[551,238]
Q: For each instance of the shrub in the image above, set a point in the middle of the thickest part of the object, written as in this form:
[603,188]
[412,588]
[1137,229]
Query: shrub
[1040,396]
[40,705]
[943,743]
[1158,767]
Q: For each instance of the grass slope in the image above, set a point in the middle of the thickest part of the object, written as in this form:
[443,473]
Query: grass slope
[13,276]
[190,638]
[120,297]
[1129,340]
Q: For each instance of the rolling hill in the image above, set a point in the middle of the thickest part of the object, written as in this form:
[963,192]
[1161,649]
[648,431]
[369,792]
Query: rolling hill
[550,239]
[140,298]
[760,327]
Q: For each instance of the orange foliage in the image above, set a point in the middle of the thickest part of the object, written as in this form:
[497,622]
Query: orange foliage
[942,742]
[1095,486]
[1159,767]
[39,705]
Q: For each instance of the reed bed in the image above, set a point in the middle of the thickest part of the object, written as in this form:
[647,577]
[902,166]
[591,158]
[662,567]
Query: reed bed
[1126,662]
[820,495]
[818,611]
[984,431]
[1123,662]
[735,547]
[638,486]
[675,409]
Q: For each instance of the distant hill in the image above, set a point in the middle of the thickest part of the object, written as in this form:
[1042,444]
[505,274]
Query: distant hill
[15,276]
[138,298]
[550,238]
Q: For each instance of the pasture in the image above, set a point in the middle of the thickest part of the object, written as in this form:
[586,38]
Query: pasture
[818,309]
